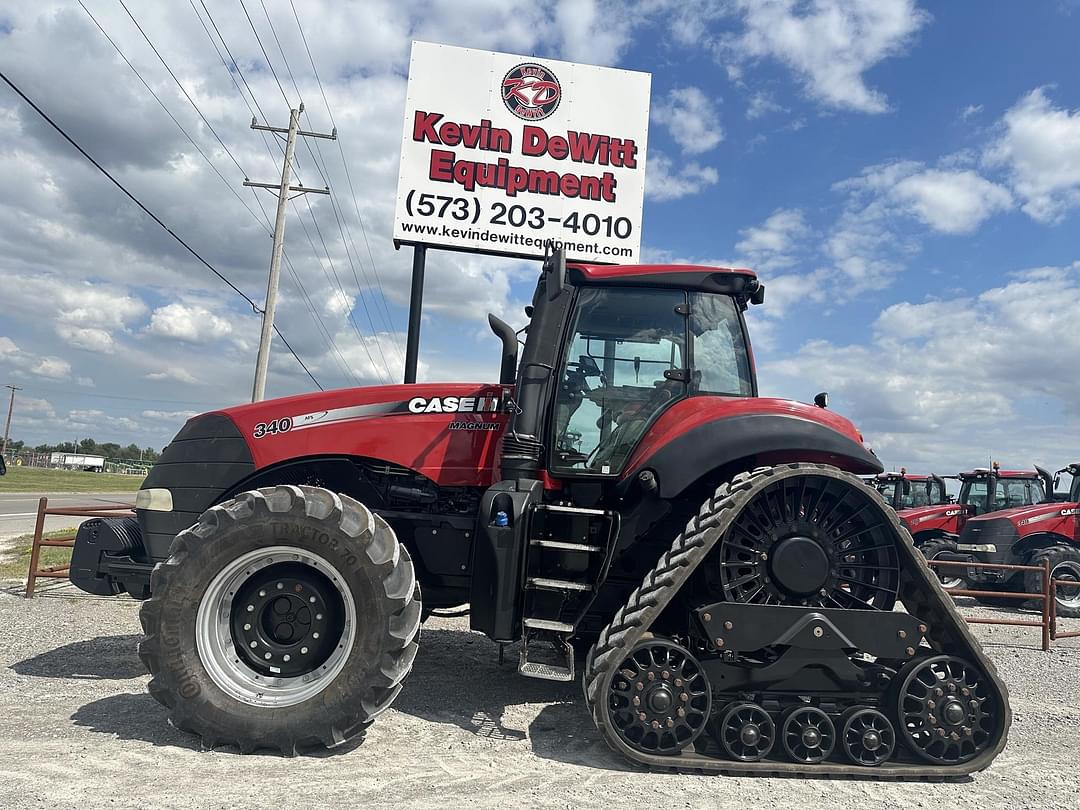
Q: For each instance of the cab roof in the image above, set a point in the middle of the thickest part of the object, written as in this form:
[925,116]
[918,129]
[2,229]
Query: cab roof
[737,280]
[896,476]
[982,472]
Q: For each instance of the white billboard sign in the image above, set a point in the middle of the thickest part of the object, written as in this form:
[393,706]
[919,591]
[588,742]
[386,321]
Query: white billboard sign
[503,153]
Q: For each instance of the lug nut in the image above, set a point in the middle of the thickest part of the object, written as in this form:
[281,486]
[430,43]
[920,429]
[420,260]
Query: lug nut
[280,586]
[636,701]
[681,712]
[678,681]
[930,704]
[318,617]
[311,599]
[728,625]
[651,676]
[933,720]
[247,626]
[262,593]
[286,657]
[267,656]
[941,732]
[314,635]
[654,724]
[670,723]
[665,675]
[902,634]
[642,717]
[939,692]
[967,731]
[923,628]
[719,642]
[707,617]
[684,697]
[254,644]
[818,632]
[303,650]
[910,651]
[251,608]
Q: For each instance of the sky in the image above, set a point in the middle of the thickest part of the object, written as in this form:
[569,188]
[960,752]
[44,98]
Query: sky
[904,176]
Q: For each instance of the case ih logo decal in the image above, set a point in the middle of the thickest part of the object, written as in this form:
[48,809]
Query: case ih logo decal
[531,91]
[463,405]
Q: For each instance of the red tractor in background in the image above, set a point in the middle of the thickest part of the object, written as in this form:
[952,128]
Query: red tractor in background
[622,490]
[1027,535]
[936,528]
[902,490]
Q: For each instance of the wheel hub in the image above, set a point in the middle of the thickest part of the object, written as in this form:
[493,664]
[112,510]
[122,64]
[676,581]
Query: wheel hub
[286,620]
[871,740]
[811,738]
[800,565]
[750,734]
[661,699]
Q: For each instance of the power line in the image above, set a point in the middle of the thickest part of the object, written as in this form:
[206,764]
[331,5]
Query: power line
[345,165]
[60,130]
[265,55]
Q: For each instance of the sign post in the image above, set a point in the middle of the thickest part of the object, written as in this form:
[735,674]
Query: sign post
[503,154]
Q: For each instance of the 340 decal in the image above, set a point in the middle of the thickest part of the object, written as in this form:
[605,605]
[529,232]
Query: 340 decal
[273,427]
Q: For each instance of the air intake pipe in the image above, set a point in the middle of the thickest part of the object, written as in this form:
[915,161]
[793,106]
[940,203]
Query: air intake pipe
[508,368]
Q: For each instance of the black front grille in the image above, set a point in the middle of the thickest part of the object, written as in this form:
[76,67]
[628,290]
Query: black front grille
[1001,532]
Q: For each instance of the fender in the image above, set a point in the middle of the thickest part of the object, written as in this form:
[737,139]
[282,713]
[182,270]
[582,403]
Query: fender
[682,446]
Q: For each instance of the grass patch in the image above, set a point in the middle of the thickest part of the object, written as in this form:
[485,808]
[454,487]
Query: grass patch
[16,560]
[37,479]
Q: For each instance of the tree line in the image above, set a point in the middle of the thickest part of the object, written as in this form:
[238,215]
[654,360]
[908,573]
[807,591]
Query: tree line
[89,447]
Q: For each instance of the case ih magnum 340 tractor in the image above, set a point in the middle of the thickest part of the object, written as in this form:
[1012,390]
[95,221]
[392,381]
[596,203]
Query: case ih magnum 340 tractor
[902,490]
[1027,535]
[935,524]
[729,581]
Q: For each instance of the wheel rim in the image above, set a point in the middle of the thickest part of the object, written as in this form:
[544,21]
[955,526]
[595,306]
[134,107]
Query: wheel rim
[808,735]
[868,737]
[262,651]
[659,699]
[947,582]
[946,716]
[809,540]
[746,732]
[1068,595]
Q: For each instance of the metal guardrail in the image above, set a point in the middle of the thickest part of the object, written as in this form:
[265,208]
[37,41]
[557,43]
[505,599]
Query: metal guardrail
[40,541]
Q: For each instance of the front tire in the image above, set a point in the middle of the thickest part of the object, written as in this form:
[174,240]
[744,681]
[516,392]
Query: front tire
[286,618]
[1064,565]
[932,550]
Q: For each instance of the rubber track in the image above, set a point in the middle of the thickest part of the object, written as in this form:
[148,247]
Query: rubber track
[919,593]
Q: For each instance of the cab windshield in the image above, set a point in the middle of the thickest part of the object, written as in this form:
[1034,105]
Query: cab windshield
[923,493]
[628,358]
[1008,493]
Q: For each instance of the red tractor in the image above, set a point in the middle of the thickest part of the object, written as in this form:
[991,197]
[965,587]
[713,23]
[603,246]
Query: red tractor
[935,526]
[902,490]
[622,491]
[1028,535]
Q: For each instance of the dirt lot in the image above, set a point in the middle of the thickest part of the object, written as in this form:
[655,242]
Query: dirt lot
[78,729]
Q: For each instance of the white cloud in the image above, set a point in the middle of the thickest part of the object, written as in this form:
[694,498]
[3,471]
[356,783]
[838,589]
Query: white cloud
[177,374]
[771,244]
[691,118]
[956,376]
[1040,147]
[664,182]
[761,104]
[92,340]
[54,368]
[951,201]
[172,417]
[829,44]
[193,323]
[970,111]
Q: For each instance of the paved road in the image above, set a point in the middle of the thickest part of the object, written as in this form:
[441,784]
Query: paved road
[18,511]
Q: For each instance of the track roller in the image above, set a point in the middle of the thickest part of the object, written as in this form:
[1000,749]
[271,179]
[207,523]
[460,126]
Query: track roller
[868,737]
[746,732]
[808,734]
[946,716]
[659,700]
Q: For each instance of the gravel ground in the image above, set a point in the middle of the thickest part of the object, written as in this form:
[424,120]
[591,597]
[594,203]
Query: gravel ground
[77,729]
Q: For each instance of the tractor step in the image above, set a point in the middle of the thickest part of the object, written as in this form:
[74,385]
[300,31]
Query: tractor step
[556,661]
[557,584]
[564,546]
[549,625]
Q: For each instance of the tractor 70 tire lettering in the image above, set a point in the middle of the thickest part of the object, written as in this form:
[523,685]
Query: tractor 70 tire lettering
[290,571]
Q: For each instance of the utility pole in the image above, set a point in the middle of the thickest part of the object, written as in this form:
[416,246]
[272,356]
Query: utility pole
[7,426]
[283,188]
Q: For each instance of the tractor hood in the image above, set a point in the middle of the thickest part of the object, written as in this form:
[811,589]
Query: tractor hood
[1023,516]
[924,514]
[446,431]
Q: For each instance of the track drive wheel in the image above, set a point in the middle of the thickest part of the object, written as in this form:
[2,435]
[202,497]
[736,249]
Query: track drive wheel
[947,575]
[867,736]
[286,618]
[660,698]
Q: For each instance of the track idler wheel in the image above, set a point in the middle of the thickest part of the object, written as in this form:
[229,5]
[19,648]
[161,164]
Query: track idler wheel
[808,734]
[746,732]
[659,700]
[945,714]
[868,737]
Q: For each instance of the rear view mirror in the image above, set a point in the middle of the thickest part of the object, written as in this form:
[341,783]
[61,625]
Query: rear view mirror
[3,466]
[907,487]
[554,270]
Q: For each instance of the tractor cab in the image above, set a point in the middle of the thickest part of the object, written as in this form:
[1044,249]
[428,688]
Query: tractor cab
[985,490]
[905,491]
